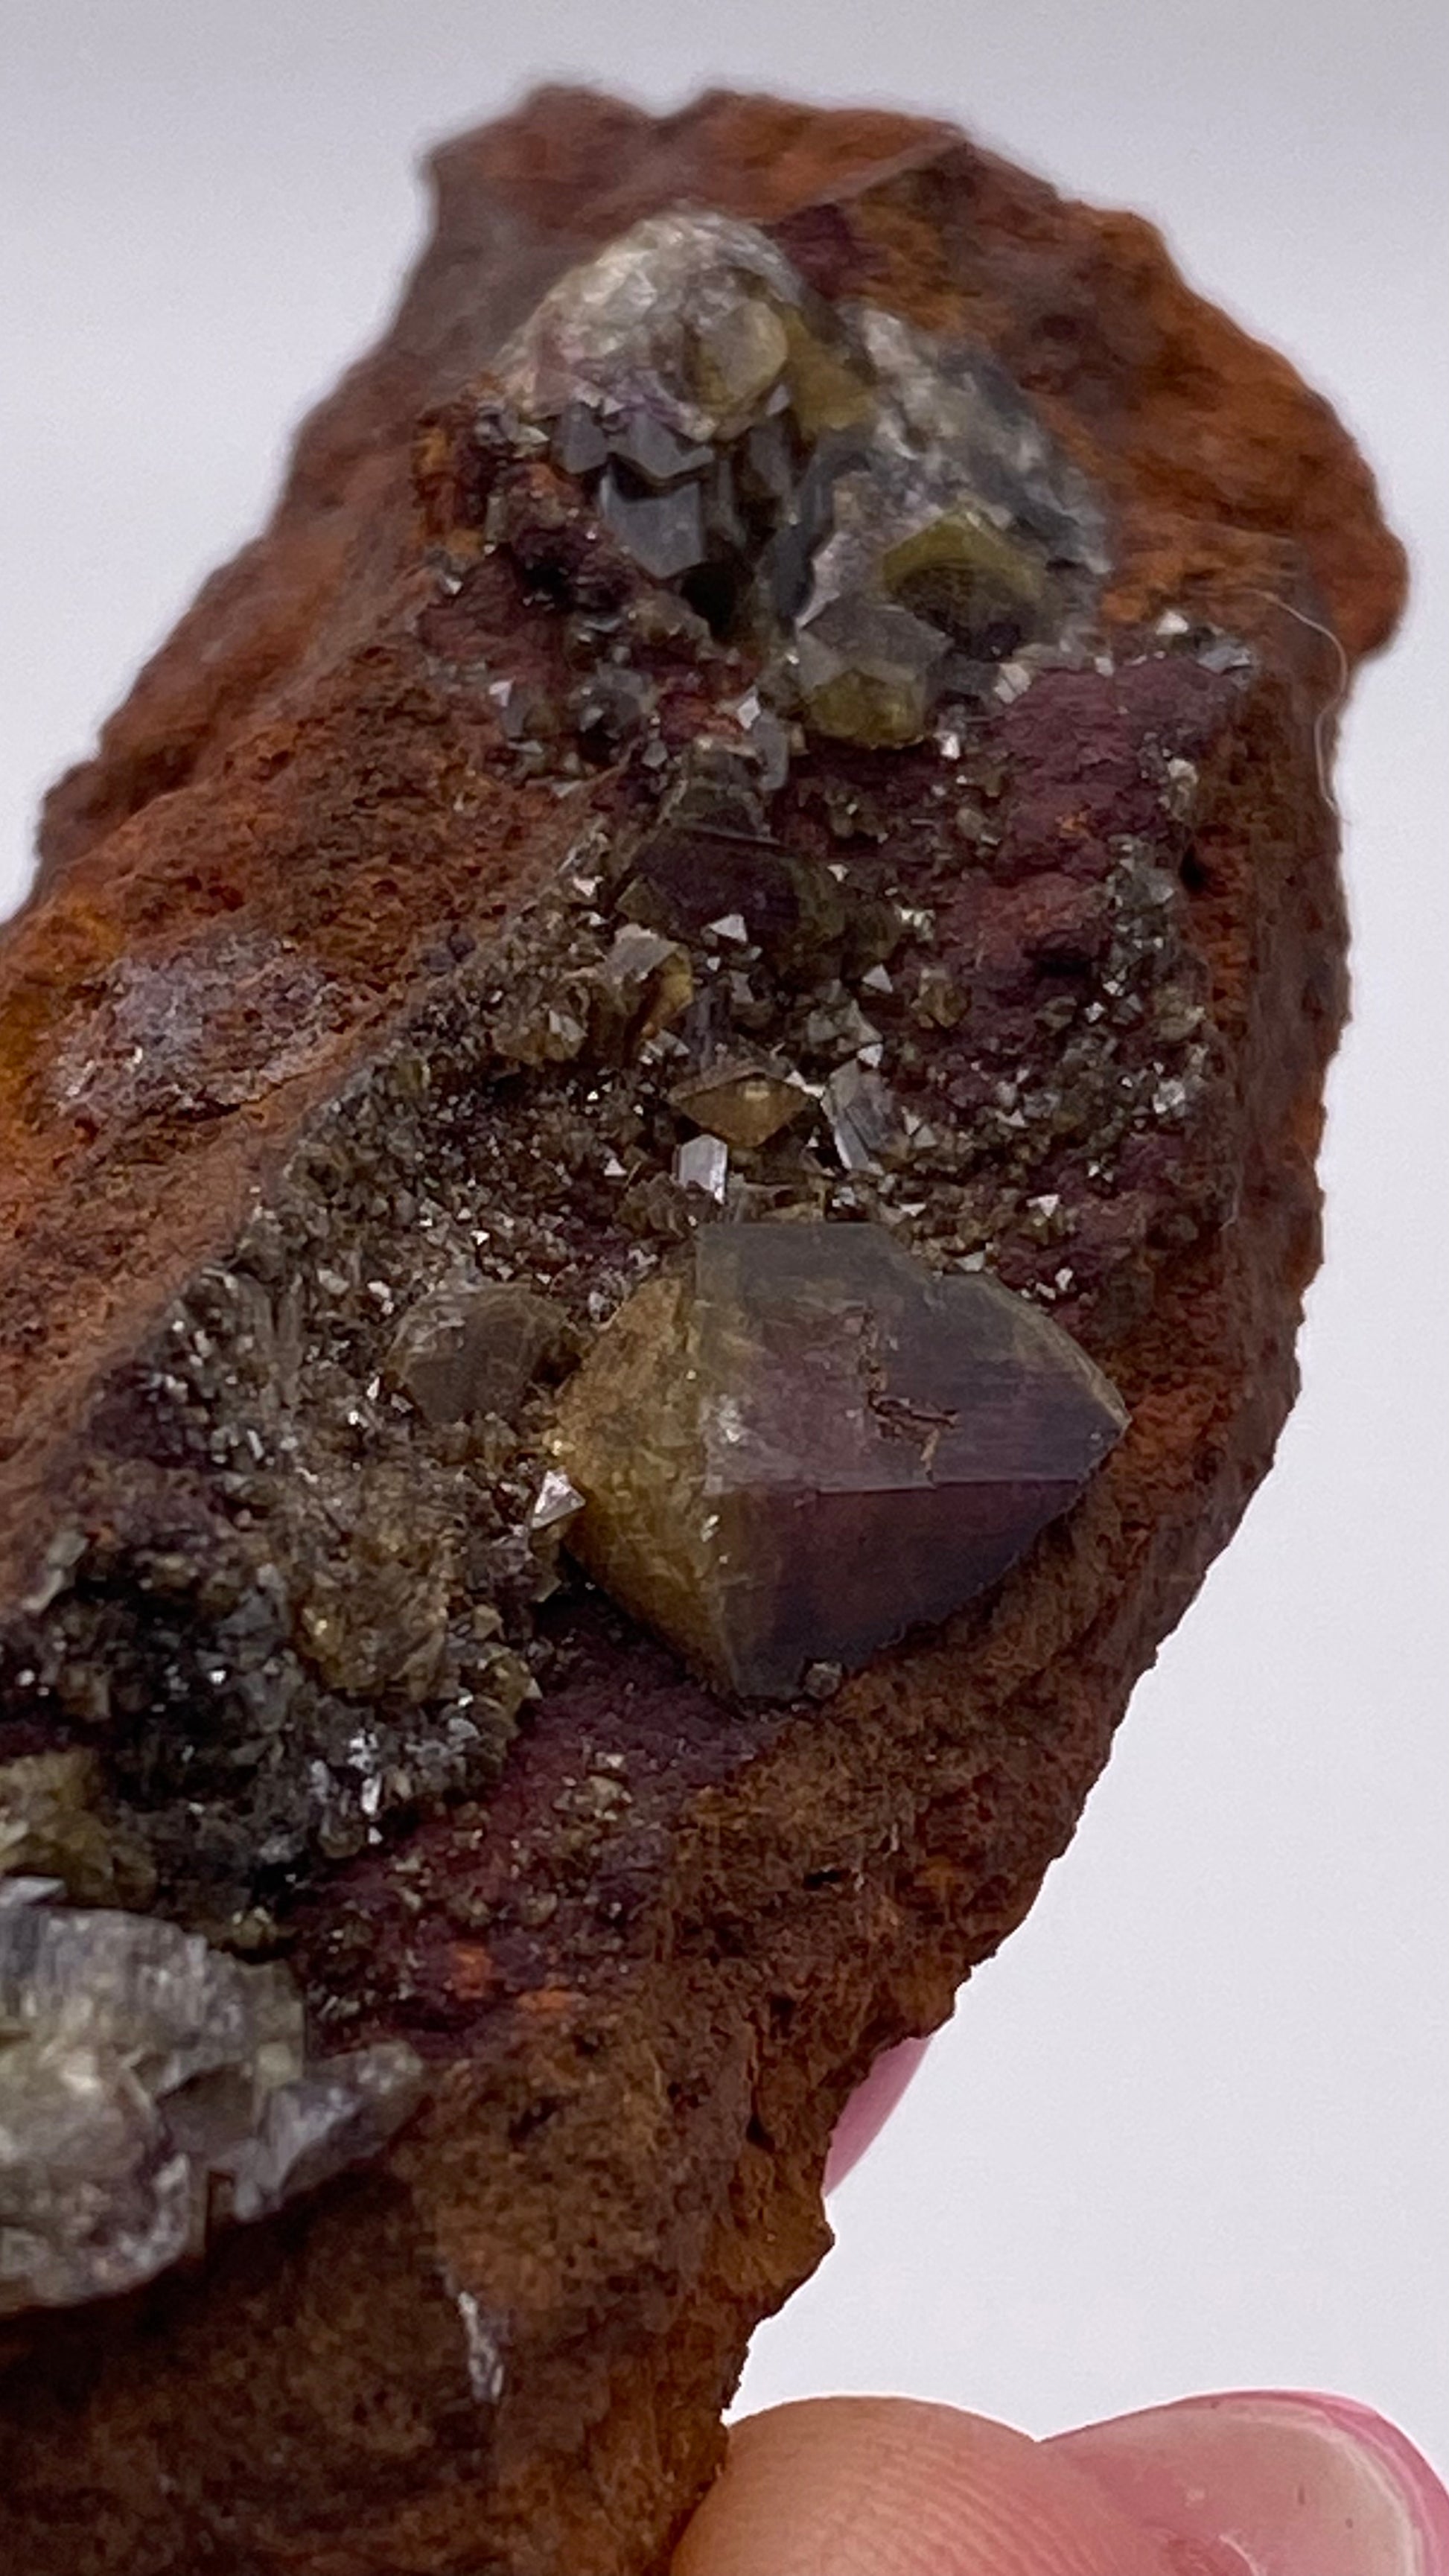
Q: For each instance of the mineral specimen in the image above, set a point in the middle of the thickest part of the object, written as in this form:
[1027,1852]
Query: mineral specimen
[809,1446]
[151,2088]
[793,603]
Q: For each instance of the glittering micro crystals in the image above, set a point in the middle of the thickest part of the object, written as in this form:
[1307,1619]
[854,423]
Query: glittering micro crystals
[846,938]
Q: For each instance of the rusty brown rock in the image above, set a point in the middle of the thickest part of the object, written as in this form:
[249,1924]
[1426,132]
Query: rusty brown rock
[653,1950]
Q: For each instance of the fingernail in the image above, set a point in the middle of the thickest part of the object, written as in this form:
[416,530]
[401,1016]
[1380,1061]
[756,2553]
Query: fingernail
[1273,2482]
[870,2106]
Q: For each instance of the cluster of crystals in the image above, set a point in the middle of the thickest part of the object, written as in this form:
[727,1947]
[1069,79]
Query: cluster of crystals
[736,1002]
[805,1444]
[797,967]
[882,516]
[152,2090]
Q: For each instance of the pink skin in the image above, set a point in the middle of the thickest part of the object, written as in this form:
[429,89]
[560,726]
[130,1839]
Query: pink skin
[870,2106]
[1271,2482]
[1252,2483]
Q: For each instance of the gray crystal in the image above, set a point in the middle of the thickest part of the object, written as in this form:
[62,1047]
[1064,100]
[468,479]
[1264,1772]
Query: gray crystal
[865,1118]
[663,531]
[579,443]
[339,2114]
[657,452]
[140,2069]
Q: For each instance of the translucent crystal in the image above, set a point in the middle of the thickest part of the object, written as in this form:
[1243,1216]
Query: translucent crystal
[139,2070]
[965,577]
[746,1104]
[865,1118]
[644,983]
[703,1164]
[739,352]
[805,1444]
[557,1501]
[866,671]
[338,2114]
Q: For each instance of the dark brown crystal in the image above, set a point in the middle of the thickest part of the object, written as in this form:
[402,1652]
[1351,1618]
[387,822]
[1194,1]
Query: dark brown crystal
[807,1444]
[474,1347]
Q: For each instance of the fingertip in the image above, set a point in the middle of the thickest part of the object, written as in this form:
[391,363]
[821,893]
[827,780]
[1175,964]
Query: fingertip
[870,2106]
[882,2486]
[1303,2484]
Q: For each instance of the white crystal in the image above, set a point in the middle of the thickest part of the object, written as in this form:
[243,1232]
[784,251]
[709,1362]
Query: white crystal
[557,1501]
[703,1164]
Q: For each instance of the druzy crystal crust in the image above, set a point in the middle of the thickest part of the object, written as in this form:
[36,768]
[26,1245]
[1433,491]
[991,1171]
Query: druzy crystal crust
[805,1445]
[658,1239]
[789,963]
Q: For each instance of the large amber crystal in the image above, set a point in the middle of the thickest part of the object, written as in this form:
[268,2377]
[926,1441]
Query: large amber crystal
[805,1443]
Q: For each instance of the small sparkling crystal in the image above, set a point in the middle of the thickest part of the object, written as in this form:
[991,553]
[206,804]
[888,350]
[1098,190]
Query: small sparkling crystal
[864,1117]
[703,1164]
[746,1104]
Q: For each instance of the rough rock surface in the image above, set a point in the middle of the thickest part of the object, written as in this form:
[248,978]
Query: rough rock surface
[302,1032]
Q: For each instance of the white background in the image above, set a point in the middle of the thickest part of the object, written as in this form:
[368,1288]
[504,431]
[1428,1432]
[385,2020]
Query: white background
[1192,2129]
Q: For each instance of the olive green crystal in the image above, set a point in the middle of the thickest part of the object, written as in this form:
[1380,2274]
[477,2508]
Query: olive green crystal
[53,1825]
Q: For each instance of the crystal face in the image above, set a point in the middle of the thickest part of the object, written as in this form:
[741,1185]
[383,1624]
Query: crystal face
[806,1444]
[882,514]
[150,2087]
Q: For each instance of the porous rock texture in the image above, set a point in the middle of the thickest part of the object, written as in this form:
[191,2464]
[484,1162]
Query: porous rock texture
[646,1941]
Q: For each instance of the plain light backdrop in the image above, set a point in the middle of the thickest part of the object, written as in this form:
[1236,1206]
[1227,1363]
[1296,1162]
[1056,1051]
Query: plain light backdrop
[1192,2128]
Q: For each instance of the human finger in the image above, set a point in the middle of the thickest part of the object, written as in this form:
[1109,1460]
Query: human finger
[1272,2483]
[888,2486]
[870,2106]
